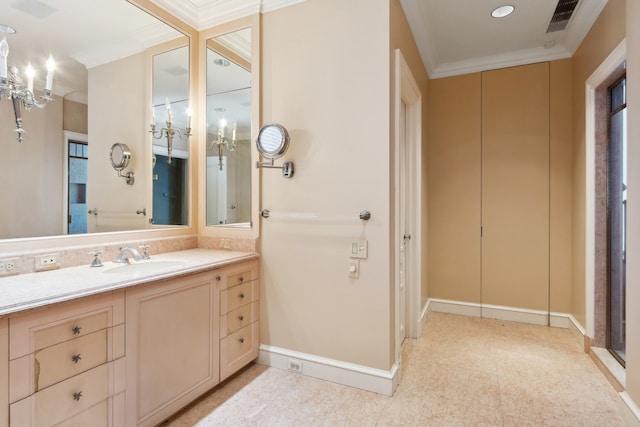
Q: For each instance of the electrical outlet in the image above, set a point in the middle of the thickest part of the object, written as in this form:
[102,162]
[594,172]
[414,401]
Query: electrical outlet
[294,366]
[6,265]
[47,262]
[225,243]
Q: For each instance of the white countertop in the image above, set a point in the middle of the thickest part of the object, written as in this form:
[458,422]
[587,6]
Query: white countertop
[26,291]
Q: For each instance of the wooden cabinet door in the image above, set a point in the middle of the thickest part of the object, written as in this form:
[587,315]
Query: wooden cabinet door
[515,187]
[172,346]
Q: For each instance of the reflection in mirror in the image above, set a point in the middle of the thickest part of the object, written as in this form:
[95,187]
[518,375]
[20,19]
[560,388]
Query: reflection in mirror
[228,172]
[61,170]
[171,118]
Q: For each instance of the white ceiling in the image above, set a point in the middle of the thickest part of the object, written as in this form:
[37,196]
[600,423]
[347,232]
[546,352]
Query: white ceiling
[453,36]
[460,36]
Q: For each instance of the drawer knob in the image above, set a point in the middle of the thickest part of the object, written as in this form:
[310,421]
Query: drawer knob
[241,317]
[242,295]
[77,395]
[241,279]
[241,340]
[76,358]
[218,278]
[76,330]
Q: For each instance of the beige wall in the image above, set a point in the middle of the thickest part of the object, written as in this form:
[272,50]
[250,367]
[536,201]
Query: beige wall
[633,260]
[118,119]
[560,189]
[75,116]
[604,36]
[32,172]
[328,84]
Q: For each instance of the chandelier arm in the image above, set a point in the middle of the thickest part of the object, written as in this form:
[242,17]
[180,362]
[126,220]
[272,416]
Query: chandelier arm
[18,115]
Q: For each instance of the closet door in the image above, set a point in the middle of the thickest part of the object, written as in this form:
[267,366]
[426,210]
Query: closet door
[454,188]
[515,187]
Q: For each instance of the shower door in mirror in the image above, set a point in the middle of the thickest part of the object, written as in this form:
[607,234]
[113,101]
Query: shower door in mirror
[228,164]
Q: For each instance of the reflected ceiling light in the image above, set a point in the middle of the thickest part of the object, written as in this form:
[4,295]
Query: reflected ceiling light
[7,29]
[221,62]
[502,11]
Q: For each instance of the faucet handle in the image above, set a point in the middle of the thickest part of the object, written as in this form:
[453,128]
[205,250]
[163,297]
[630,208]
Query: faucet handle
[96,261]
[144,248]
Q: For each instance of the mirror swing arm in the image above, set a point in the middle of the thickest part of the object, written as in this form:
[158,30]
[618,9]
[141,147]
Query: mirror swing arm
[272,143]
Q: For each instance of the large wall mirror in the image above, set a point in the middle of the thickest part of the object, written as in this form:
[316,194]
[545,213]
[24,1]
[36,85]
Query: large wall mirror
[170,157]
[59,179]
[229,131]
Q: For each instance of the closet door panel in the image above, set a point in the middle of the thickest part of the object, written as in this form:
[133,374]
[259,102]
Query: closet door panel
[515,187]
[454,188]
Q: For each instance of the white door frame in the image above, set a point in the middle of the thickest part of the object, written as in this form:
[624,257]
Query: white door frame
[408,91]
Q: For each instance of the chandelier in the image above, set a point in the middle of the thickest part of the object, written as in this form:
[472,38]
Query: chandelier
[12,86]
[170,132]
[221,141]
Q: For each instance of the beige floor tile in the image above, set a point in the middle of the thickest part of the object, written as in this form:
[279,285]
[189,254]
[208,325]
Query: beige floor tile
[463,371]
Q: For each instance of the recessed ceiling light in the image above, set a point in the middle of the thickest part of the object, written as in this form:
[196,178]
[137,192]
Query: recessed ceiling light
[502,11]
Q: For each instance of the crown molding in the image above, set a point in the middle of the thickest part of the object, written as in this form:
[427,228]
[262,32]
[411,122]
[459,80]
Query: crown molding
[511,59]
[216,12]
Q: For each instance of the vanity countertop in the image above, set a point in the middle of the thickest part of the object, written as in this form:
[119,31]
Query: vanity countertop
[32,290]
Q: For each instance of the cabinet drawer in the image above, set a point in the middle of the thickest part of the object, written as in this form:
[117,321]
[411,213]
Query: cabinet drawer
[238,318]
[96,416]
[238,349]
[241,277]
[63,400]
[59,362]
[69,329]
[236,296]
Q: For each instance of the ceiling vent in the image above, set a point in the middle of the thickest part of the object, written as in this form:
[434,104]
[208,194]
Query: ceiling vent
[562,15]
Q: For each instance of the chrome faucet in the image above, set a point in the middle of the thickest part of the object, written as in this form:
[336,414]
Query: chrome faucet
[122,255]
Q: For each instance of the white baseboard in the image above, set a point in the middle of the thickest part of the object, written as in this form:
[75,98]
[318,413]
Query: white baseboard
[628,410]
[513,314]
[350,374]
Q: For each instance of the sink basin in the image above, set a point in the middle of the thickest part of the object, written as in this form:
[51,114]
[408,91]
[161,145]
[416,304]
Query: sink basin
[144,267]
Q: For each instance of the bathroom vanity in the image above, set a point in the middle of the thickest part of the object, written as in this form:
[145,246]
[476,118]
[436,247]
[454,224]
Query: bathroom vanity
[133,346]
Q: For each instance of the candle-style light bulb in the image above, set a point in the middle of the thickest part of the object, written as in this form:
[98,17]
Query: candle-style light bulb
[235,128]
[30,74]
[51,66]
[189,112]
[167,104]
[222,124]
[4,52]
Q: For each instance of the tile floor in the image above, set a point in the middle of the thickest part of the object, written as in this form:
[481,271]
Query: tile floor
[463,371]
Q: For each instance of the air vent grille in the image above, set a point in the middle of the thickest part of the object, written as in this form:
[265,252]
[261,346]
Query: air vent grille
[562,15]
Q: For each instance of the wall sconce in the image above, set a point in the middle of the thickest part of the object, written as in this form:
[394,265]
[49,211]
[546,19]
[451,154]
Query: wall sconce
[272,143]
[170,132]
[222,141]
[119,155]
[11,84]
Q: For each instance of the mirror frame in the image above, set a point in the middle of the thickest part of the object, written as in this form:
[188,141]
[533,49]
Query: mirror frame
[241,230]
[27,244]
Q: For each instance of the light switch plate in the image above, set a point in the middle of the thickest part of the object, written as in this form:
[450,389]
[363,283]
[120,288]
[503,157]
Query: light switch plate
[359,249]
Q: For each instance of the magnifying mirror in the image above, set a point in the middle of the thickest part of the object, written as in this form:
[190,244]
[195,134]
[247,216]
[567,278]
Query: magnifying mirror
[119,155]
[272,143]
